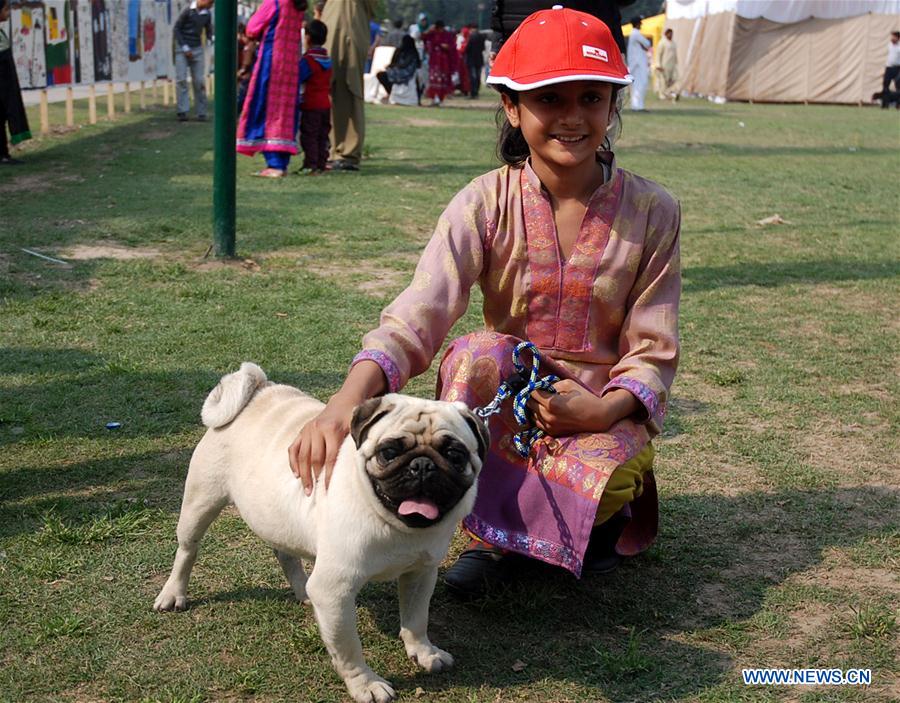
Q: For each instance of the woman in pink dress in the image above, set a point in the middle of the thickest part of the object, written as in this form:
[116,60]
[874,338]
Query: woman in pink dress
[440,45]
[269,117]
[575,255]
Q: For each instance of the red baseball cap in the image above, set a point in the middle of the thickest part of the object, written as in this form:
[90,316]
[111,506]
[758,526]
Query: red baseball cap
[557,46]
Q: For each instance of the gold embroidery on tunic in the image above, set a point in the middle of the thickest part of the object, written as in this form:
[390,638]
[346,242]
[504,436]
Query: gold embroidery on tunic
[604,288]
[421,281]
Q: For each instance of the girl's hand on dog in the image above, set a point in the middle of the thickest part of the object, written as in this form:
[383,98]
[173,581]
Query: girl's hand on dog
[317,445]
[573,409]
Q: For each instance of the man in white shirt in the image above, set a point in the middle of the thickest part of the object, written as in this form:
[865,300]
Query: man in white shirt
[638,65]
[891,74]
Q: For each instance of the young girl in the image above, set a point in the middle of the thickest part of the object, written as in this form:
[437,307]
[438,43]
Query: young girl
[573,254]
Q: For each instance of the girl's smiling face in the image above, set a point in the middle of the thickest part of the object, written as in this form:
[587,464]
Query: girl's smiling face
[564,124]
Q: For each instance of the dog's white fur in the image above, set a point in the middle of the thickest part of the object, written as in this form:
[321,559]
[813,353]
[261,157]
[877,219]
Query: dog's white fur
[243,459]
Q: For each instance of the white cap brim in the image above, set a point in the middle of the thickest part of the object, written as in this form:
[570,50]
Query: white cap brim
[515,85]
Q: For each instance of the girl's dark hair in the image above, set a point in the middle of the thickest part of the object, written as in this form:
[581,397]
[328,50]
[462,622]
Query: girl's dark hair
[512,149]
[300,5]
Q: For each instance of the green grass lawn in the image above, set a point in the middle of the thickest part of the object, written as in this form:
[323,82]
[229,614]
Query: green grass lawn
[778,468]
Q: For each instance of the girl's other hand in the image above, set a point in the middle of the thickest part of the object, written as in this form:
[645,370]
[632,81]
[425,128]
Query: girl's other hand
[318,443]
[573,409]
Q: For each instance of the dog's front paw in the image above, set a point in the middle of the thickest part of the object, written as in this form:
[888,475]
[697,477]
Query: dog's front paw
[432,659]
[168,600]
[371,689]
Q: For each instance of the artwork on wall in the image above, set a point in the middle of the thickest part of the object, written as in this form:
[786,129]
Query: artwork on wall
[164,21]
[135,38]
[57,35]
[100,32]
[84,41]
[118,39]
[148,33]
[58,42]
[28,43]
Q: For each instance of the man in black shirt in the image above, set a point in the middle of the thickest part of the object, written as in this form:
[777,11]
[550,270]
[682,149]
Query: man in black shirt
[508,14]
[475,59]
[188,31]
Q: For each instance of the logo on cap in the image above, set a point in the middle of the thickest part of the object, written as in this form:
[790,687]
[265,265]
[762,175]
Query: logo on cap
[593,52]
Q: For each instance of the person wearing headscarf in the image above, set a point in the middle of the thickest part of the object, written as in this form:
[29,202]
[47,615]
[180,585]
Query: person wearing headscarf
[269,118]
[443,62]
[403,66]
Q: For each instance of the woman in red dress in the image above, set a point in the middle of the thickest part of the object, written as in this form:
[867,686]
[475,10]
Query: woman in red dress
[440,45]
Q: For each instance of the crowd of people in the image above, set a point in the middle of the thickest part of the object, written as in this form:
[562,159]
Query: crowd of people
[302,72]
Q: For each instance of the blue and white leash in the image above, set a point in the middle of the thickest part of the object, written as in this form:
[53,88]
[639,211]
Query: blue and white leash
[521,387]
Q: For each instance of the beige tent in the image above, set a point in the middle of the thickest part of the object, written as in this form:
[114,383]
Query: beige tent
[828,51]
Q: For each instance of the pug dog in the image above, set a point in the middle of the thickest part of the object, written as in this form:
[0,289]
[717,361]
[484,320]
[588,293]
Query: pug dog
[403,479]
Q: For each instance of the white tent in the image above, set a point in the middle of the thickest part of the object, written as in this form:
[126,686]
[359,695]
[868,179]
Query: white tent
[830,51]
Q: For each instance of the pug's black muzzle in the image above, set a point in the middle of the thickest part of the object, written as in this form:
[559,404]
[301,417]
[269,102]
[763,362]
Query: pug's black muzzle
[420,474]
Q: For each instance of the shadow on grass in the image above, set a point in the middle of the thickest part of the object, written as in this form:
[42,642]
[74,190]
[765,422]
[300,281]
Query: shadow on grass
[779,273]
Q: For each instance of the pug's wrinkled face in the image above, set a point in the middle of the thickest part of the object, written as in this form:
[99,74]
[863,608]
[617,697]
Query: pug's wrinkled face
[421,456]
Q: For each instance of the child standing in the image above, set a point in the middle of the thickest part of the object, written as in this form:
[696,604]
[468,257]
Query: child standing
[315,99]
[581,258]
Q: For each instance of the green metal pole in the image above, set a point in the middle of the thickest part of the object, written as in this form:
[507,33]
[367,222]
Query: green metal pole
[225,158]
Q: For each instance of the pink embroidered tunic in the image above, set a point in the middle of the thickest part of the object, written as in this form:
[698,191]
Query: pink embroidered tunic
[607,317]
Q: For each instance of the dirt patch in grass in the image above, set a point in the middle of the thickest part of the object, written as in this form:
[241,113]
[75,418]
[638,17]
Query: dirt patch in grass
[245,265]
[871,582]
[108,250]
[808,623]
[371,280]
[424,122]
[157,134]
[31,183]
[779,556]
[845,450]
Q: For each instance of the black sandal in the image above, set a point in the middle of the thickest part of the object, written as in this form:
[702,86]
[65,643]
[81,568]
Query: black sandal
[480,569]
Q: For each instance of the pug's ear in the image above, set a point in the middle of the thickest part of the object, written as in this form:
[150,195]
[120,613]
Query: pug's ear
[479,429]
[365,416]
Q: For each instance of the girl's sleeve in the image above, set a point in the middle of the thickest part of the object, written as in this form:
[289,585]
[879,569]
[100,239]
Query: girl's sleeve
[260,19]
[414,326]
[648,341]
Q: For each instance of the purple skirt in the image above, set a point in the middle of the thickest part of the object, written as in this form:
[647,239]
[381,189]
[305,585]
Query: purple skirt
[542,506]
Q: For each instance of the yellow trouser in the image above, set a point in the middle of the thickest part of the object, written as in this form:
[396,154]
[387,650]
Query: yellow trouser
[625,484]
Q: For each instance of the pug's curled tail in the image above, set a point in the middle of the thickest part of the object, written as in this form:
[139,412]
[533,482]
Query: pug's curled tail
[234,391]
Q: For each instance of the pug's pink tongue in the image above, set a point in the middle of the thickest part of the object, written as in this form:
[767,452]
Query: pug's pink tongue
[423,507]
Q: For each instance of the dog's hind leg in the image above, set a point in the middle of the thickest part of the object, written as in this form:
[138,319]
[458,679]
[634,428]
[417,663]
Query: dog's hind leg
[296,576]
[203,501]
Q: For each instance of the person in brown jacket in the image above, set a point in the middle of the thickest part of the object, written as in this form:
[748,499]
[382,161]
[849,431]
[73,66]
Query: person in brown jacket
[347,44]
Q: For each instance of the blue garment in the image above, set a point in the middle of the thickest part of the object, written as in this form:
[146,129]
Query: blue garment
[277,159]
